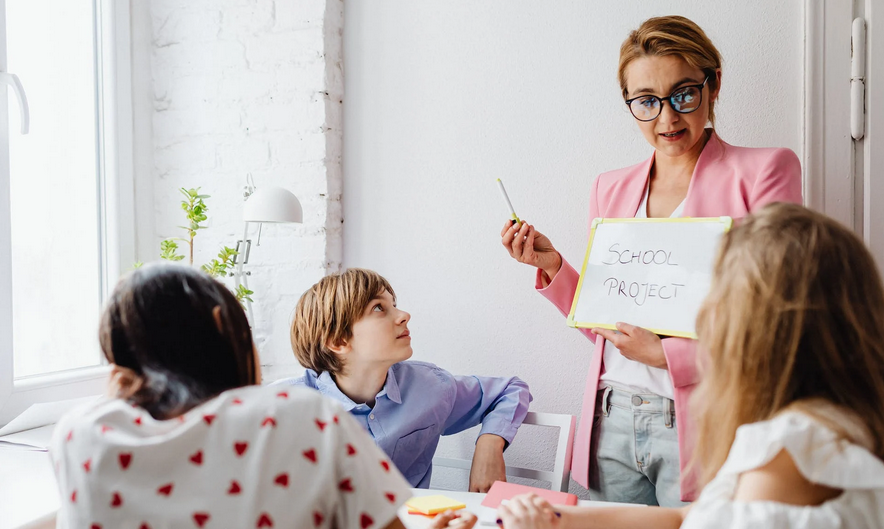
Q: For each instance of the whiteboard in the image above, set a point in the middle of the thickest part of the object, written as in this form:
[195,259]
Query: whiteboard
[653,273]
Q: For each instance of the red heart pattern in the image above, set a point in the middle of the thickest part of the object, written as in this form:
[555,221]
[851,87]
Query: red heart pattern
[234,487]
[166,489]
[240,447]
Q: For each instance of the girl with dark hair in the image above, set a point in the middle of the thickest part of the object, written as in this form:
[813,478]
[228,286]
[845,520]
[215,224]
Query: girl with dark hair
[188,438]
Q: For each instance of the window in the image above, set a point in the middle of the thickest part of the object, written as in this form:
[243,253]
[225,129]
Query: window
[65,193]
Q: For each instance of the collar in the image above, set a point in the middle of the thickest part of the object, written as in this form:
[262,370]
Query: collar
[713,150]
[326,385]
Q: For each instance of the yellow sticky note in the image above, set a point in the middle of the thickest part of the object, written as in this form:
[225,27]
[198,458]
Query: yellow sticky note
[433,504]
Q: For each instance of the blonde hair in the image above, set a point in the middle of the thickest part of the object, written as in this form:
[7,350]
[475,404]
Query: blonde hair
[676,36]
[325,315]
[795,318]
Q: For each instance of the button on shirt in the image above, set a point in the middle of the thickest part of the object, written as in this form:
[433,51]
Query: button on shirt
[421,402]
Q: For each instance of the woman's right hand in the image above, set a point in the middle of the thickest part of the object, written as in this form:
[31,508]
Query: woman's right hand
[527,245]
[528,511]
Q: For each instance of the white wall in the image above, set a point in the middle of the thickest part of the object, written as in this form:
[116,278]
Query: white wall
[223,88]
[442,98]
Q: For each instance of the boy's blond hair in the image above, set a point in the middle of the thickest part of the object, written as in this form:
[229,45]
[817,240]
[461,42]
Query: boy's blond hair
[326,313]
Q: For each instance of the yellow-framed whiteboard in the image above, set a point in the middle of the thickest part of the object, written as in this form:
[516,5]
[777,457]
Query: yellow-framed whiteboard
[653,273]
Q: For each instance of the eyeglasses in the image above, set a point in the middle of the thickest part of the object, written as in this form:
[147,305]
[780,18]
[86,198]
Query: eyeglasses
[684,101]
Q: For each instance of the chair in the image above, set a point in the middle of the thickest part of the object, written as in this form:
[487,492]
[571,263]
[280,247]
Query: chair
[560,476]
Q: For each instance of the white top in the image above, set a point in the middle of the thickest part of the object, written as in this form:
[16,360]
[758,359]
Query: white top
[630,375]
[819,456]
[251,457]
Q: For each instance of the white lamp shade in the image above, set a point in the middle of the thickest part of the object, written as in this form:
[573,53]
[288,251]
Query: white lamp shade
[272,204]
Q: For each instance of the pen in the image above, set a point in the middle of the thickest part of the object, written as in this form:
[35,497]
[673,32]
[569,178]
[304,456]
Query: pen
[508,203]
[558,514]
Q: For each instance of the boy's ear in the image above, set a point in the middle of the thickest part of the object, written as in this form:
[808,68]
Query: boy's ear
[340,348]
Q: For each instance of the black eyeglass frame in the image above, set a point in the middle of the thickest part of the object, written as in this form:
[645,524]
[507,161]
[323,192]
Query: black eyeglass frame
[668,99]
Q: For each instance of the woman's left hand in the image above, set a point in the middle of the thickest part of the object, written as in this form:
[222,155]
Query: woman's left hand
[636,343]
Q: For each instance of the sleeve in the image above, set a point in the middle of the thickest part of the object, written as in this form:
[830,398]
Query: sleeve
[750,515]
[371,489]
[498,403]
[779,180]
[562,288]
[681,358]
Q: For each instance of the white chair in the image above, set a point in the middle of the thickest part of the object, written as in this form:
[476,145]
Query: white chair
[560,476]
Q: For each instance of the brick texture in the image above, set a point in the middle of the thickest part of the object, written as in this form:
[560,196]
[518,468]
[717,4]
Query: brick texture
[251,86]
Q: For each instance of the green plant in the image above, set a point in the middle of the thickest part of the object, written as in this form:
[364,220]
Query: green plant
[195,209]
[219,267]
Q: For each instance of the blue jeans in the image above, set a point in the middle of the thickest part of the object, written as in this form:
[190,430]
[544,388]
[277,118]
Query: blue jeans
[634,450]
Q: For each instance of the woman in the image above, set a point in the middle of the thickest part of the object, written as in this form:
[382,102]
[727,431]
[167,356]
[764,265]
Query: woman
[188,439]
[670,74]
[789,417]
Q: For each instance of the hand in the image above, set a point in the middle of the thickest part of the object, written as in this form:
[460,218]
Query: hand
[636,343]
[527,245]
[454,520]
[528,511]
[488,465]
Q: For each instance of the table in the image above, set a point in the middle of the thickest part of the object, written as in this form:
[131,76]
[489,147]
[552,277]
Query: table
[28,494]
[473,501]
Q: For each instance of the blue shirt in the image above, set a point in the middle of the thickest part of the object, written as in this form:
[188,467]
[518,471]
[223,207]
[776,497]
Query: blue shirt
[421,402]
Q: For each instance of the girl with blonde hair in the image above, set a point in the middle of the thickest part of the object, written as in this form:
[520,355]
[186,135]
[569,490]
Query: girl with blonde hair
[790,410]
[634,436]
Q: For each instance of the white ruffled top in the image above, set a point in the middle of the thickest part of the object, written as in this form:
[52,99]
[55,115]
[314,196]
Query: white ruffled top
[819,455]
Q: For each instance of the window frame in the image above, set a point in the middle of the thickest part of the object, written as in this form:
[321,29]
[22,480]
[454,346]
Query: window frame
[114,154]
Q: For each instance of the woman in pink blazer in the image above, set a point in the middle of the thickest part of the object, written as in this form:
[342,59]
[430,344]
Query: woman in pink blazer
[629,445]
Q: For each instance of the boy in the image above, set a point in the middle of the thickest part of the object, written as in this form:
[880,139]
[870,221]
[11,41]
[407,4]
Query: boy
[353,340]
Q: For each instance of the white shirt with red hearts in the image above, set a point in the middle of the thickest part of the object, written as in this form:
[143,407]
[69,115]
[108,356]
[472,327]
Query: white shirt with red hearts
[251,457]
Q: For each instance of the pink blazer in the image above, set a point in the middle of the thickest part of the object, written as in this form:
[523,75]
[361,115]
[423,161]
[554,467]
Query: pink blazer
[727,180]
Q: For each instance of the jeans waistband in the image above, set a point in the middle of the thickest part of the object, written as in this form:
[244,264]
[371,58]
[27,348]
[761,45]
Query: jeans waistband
[637,402]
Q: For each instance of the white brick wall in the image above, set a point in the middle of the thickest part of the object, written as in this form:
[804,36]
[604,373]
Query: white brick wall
[237,87]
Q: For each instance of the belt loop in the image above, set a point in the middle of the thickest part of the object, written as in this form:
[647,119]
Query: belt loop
[667,414]
[605,396]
